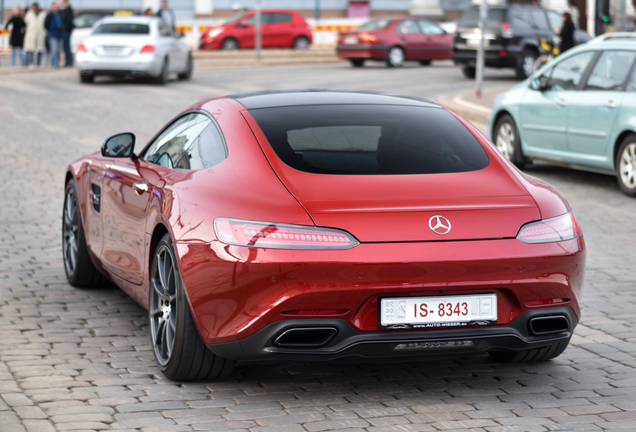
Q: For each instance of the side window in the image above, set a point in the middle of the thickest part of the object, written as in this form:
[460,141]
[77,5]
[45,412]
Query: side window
[164,30]
[407,27]
[266,18]
[556,22]
[539,19]
[192,142]
[520,19]
[429,28]
[610,70]
[567,74]
[281,18]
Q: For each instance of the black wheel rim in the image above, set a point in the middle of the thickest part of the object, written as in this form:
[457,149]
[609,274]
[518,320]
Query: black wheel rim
[162,304]
[70,231]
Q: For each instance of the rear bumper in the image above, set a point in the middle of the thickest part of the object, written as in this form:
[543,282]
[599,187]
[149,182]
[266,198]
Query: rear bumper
[235,292]
[136,65]
[347,342]
[493,57]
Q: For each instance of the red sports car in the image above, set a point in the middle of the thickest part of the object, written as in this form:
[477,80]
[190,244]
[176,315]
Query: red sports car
[395,41]
[280,28]
[315,225]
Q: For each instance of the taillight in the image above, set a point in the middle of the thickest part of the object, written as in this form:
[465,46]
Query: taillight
[81,48]
[147,49]
[558,228]
[281,236]
[367,38]
[506,31]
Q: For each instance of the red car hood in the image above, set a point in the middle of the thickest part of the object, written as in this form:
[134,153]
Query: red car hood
[482,204]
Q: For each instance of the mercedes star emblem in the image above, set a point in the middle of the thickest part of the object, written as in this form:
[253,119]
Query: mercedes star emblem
[439,225]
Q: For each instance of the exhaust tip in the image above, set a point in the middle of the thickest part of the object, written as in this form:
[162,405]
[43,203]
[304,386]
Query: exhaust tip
[305,337]
[548,325]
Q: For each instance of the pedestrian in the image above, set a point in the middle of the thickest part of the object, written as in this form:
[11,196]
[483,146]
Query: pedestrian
[573,10]
[149,12]
[35,35]
[167,15]
[67,17]
[567,33]
[16,27]
[55,27]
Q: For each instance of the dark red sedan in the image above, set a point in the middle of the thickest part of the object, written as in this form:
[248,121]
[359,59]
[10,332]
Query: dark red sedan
[315,225]
[280,28]
[395,41]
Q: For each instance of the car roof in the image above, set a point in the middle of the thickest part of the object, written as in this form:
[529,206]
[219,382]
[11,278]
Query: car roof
[280,98]
[130,19]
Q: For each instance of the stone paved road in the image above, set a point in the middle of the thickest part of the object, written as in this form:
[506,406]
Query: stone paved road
[80,359]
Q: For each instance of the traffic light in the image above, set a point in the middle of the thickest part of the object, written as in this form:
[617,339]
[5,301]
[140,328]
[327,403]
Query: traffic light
[605,11]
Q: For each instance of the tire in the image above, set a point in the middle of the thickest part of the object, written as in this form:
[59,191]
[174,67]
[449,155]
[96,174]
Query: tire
[357,62]
[179,352]
[86,79]
[626,165]
[164,76]
[525,64]
[506,139]
[395,57]
[229,44]
[188,72]
[531,355]
[301,43]
[425,62]
[79,269]
[540,61]
[469,71]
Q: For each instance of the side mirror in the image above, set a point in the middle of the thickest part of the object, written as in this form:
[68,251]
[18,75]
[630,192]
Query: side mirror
[245,24]
[119,146]
[539,84]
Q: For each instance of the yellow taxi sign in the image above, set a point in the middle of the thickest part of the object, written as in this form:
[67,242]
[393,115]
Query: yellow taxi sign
[123,13]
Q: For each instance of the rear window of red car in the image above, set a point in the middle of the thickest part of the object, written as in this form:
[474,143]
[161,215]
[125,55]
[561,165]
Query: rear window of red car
[370,139]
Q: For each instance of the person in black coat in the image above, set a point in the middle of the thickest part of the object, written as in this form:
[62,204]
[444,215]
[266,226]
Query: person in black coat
[567,33]
[67,16]
[16,39]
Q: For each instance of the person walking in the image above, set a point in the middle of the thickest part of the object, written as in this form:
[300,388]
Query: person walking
[55,27]
[167,15]
[35,35]
[574,12]
[16,27]
[67,17]
[567,33]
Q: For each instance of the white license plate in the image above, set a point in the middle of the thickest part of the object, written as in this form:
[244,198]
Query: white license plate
[350,40]
[438,311]
[474,43]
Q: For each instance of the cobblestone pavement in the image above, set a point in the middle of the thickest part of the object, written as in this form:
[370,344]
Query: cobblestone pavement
[80,359]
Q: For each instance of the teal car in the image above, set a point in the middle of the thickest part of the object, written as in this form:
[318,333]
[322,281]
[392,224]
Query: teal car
[578,110]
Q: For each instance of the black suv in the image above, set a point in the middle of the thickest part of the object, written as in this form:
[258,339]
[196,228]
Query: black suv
[512,37]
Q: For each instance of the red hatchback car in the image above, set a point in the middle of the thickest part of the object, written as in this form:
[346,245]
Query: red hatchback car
[280,28]
[315,225]
[395,41]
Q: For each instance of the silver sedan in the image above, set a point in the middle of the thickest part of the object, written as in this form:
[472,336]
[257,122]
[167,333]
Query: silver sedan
[133,46]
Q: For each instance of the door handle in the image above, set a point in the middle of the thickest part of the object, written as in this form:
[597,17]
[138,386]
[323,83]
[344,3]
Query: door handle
[610,104]
[141,187]
[561,102]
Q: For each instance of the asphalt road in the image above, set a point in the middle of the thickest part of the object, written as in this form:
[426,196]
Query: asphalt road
[80,359]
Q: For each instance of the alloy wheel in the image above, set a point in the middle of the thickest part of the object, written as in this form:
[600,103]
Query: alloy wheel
[396,57]
[70,231]
[627,168]
[528,65]
[163,304]
[229,44]
[301,43]
[506,140]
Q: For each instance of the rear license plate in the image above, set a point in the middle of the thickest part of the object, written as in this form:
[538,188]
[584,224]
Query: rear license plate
[438,311]
[474,43]
[350,40]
